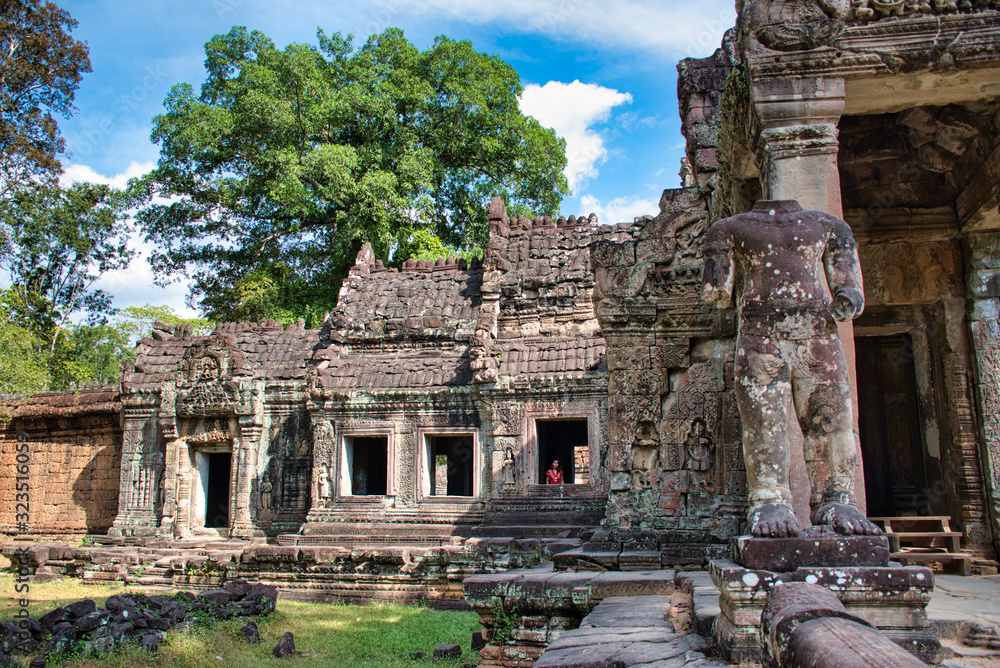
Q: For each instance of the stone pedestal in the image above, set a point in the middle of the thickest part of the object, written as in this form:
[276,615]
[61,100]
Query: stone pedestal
[890,596]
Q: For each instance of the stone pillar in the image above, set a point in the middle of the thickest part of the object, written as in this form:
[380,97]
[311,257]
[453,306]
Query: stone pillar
[136,495]
[244,467]
[983,277]
[798,160]
[798,140]
[168,519]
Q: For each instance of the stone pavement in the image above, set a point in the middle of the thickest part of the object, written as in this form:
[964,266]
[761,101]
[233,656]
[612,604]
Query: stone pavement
[627,631]
[959,600]
[633,631]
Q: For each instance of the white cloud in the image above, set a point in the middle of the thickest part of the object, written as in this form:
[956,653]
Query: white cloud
[571,109]
[672,29]
[621,209]
[76,173]
[133,286]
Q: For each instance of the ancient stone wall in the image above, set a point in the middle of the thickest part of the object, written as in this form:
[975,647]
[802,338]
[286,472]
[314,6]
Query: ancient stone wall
[676,467]
[61,454]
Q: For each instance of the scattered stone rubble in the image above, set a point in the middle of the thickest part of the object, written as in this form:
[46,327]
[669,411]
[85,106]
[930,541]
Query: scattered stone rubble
[84,627]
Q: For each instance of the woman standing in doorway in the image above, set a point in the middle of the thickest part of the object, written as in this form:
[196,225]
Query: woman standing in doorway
[554,476]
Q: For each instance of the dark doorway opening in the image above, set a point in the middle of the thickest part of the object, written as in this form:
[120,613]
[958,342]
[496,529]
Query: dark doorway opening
[892,446]
[452,460]
[565,441]
[217,494]
[368,463]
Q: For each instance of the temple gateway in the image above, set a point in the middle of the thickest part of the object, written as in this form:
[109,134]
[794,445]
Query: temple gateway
[427,408]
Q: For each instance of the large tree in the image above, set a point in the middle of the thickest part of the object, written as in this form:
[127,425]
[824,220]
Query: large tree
[40,68]
[56,244]
[288,159]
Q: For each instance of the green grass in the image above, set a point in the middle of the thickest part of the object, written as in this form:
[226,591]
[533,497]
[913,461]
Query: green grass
[326,634]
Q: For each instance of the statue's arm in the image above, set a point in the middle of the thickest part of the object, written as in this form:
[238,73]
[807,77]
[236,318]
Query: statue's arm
[843,271]
[718,273]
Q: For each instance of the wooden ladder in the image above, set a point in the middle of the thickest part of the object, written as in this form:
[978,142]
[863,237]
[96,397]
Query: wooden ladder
[924,540]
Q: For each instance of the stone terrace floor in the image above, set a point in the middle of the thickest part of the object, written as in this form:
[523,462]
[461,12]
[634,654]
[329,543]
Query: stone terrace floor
[631,631]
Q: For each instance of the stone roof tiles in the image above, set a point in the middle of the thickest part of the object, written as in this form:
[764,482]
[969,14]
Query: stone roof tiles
[267,350]
[549,355]
[49,404]
[409,305]
[421,369]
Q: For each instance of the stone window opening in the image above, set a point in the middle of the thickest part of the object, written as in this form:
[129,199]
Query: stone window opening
[212,487]
[565,440]
[365,470]
[449,465]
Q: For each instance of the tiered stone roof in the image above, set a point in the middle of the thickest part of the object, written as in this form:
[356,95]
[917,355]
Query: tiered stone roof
[264,350]
[417,327]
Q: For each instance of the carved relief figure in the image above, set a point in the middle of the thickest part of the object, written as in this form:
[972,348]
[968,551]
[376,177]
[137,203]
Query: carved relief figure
[789,356]
[204,369]
[508,470]
[793,25]
[266,489]
[699,448]
[325,484]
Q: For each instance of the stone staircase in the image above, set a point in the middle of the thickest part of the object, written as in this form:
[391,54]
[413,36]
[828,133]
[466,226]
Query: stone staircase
[544,511]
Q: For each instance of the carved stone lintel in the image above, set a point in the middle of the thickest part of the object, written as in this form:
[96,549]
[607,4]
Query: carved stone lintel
[793,25]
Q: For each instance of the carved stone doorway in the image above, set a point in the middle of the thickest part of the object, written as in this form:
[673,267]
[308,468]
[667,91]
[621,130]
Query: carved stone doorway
[896,481]
[211,489]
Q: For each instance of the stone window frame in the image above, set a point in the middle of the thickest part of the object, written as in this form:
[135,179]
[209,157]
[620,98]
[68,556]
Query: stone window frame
[391,488]
[533,415]
[421,465]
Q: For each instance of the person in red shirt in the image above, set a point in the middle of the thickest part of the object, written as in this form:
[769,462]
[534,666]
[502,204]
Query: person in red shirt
[554,476]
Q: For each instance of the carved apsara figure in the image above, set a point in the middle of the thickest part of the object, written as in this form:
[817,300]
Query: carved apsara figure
[266,489]
[508,470]
[699,448]
[789,356]
[325,487]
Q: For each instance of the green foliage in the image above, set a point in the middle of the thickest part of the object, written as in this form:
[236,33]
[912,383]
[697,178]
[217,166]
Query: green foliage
[90,353]
[23,369]
[40,69]
[273,292]
[505,621]
[135,322]
[289,159]
[425,245]
[57,242]
[80,353]
[327,634]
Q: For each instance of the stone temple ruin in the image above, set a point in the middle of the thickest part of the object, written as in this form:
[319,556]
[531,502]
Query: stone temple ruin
[401,447]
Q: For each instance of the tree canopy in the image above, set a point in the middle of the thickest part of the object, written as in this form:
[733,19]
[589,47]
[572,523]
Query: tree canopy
[56,243]
[289,159]
[40,69]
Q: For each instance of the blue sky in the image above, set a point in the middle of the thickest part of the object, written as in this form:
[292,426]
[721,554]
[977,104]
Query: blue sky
[602,73]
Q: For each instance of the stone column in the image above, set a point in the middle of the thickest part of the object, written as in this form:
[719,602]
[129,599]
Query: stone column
[135,513]
[983,276]
[244,459]
[797,152]
[798,140]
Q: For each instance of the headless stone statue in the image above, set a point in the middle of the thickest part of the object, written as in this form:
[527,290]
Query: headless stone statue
[789,356]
